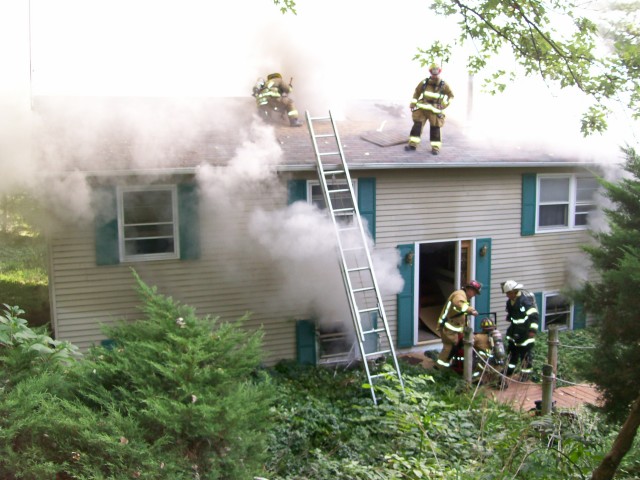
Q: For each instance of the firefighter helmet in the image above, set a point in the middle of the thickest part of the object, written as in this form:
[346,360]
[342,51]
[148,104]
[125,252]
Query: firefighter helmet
[271,76]
[477,286]
[434,69]
[487,324]
[510,286]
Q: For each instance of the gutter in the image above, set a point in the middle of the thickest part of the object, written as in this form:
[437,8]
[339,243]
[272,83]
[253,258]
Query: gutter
[358,166]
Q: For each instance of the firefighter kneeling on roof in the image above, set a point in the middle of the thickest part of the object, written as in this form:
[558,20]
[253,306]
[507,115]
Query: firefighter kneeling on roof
[430,98]
[453,319]
[522,315]
[274,95]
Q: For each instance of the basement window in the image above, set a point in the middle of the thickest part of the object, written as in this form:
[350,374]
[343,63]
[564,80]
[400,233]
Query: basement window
[148,223]
[556,310]
[334,344]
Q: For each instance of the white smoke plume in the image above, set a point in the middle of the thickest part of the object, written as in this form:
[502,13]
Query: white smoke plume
[297,244]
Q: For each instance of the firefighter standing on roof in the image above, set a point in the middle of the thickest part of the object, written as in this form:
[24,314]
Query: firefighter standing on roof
[274,93]
[453,319]
[430,98]
[522,315]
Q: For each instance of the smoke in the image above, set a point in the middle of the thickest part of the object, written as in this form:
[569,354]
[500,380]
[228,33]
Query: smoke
[296,244]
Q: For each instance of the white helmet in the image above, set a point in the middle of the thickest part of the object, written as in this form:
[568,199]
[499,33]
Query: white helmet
[511,285]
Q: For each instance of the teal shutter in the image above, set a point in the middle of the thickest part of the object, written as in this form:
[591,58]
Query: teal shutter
[188,215]
[405,298]
[106,225]
[483,275]
[367,203]
[579,316]
[296,190]
[538,296]
[306,342]
[528,219]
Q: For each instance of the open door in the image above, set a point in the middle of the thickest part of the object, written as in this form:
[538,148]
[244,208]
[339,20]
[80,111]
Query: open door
[443,268]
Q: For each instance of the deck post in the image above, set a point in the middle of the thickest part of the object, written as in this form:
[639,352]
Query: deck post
[552,352]
[548,380]
[468,354]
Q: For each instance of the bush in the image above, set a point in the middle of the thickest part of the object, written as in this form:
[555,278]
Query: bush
[175,397]
[25,351]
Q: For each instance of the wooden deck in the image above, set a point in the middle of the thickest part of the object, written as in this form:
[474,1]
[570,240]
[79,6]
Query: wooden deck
[523,395]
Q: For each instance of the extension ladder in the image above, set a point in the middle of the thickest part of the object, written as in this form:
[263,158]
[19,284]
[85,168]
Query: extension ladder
[367,311]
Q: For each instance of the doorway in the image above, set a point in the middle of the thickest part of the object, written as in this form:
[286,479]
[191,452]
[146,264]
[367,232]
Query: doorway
[442,267]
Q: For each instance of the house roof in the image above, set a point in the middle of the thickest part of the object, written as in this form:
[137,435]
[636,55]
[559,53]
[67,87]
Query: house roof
[126,135]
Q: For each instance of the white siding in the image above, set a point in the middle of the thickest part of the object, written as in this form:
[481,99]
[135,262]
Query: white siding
[429,205]
[228,280]
[223,282]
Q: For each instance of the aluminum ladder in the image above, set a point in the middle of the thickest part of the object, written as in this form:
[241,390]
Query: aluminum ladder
[367,311]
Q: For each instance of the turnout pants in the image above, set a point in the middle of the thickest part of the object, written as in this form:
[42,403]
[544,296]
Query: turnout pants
[522,355]
[420,118]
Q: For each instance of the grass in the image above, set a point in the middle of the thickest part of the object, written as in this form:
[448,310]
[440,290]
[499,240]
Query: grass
[23,275]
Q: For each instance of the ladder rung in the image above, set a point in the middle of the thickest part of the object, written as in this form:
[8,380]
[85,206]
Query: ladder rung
[328,153]
[333,172]
[352,249]
[324,135]
[347,229]
[365,289]
[375,309]
[378,375]
[319,118]
[338,190]
[377,330]
[381,352]
[340,210]
[357,269]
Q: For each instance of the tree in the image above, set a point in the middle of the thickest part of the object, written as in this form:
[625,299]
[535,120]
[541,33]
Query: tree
[547,39]
[612,299]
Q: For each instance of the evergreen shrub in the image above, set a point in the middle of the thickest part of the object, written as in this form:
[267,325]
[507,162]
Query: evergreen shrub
[174,396]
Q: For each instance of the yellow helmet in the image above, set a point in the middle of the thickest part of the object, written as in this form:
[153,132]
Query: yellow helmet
[273,75]
[487,324]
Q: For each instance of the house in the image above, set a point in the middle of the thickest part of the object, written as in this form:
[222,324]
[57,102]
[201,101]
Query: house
[217,210]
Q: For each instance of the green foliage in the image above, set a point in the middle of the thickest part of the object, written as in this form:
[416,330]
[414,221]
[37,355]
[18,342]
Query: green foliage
[23,275]
[574,353]
[25,351]
[328,429]
[286,6]
[176,396]
[613,299]
[18,214]
[549,40]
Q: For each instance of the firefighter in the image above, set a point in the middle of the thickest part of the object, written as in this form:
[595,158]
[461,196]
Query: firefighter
[453,319]
[522,315]
[483,342]
[273,94]
[430,98]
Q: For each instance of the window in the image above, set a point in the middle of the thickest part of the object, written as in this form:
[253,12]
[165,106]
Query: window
[340,199]
[147,223]
[564,201]
[556,310]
